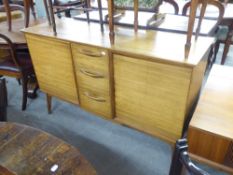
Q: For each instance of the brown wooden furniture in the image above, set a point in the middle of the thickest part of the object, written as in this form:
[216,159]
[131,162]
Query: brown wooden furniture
[111,10]
[14,15]
[210,133]
[181,161]
[217,4]
[3,100]
[26,150]
[141,81]
[68,6]
[225,37]
[16,64]
[11,7]
[170,23]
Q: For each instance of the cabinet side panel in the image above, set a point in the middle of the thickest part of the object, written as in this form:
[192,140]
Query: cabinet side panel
[196,81]
[151,96]
[52,62]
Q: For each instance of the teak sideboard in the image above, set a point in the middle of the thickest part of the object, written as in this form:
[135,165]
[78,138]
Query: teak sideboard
[143,80]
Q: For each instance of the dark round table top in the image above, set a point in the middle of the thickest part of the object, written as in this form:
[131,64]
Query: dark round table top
[25,151]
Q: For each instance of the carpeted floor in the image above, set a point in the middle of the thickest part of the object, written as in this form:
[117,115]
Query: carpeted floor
[111,148]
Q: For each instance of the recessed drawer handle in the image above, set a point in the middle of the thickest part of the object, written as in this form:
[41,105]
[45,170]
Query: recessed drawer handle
[91,53]
[91,74]
[99,99]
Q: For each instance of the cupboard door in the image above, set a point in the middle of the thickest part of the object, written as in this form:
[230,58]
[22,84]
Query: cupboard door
[52,61]
[151,96]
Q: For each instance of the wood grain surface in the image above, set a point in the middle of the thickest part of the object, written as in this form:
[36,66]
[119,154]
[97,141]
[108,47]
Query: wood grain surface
[210,132]
[26,151]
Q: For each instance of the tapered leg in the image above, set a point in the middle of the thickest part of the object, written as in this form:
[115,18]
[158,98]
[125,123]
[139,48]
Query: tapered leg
[49,103]
[27,12]
[3,100]
[225,51]
[100,15]
[193,9]
[135,15]
[25,91]
[111,21]
[216,48]
[47,11]
[8,13]
[203,9]
[32,8]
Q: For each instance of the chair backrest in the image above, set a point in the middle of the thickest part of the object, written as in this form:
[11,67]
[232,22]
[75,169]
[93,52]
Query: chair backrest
[3,100]
[11,48]
[215,3]
[182,160]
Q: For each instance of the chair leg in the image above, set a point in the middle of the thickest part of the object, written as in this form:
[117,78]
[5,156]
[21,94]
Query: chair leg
[216,48]
[3,100]
[25,91]
[49,103]
[225,51]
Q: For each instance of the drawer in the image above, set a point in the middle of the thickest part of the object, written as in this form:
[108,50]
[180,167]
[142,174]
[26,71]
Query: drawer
[96,102]
[96,80]
[93,57]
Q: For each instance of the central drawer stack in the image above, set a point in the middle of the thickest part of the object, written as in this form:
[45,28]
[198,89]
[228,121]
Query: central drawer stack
[92,73]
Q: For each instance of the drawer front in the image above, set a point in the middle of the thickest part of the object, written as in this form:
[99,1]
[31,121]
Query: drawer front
[92,72]
[94,58]
[93,79]
[95,101]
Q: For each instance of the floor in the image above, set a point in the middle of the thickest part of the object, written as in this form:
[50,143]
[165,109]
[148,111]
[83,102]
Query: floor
[111,148]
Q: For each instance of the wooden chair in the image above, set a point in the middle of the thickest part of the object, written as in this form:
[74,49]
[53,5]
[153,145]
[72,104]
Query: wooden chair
[3,100]
[215,3]
[219,19]
[67,6]
[18,65]
[8,8]
[181,160]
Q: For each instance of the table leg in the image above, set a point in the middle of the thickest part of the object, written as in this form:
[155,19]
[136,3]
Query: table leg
[27,12]
[100,15]
[203,8]
[47,11]
[52,17]
[3,100]
[32,87]
[193,8]
[135,15]
[8,13]
[110,20]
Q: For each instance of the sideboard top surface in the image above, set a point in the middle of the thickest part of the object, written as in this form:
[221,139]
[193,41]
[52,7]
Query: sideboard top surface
[162,46]
[214,112]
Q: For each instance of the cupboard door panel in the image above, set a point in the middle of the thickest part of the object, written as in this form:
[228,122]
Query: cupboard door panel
[151,96]
[53,65]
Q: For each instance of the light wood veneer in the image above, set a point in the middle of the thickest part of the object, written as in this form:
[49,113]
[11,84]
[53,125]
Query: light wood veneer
[210,133]
[143,80]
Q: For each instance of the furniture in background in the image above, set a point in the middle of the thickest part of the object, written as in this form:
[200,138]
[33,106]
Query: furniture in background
[16,64]
[7,7]
[26,150]
[14,15]
[182,162]
[225,36]
[225,31]
[66,7]
[137,84]
[3,100]
[210,134]
[20,44]
[217,4]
